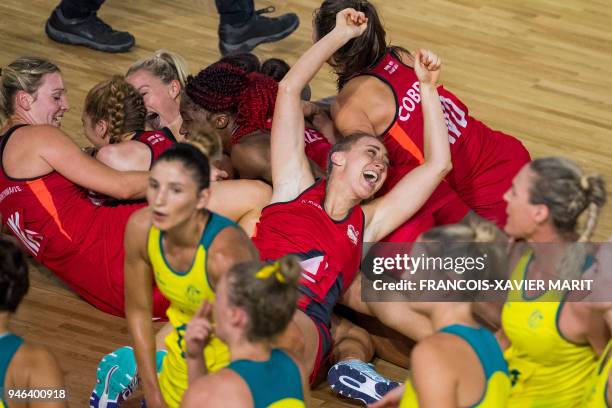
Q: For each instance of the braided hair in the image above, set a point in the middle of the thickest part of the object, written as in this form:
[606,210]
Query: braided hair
[119,103]
[223,87]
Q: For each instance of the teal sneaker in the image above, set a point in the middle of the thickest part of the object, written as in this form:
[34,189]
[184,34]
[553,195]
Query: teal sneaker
[116,379]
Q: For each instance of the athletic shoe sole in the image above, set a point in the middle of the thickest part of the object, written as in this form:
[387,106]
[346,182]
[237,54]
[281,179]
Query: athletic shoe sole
[73,39]
[104,376]
[96,402]
[350,382]
[251,43]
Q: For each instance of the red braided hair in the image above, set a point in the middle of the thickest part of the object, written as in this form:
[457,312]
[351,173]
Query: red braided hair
[223,87]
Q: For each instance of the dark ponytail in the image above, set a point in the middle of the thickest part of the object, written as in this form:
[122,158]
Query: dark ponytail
[14,280]
[275,68]
[359,54]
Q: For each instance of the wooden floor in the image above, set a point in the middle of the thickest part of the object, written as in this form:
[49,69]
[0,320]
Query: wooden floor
[538,69]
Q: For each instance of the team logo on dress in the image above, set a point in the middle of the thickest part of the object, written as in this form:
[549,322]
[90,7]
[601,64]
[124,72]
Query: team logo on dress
[535,319]
[155,138]
[313,267]
[352,233]
[391,67]
[30,239]
[193,294]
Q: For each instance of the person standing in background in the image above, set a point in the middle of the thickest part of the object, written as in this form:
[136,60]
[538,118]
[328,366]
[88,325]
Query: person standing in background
[76,22]
[241,27]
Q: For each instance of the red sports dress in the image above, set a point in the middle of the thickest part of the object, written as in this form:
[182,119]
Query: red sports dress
[317,147]
[80,242]
[484,160]
[329,252]
[158,141]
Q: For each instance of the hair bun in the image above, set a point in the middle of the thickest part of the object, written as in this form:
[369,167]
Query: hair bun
[597,192]
[585,183]
[201,145]
[290,269]
[255,77]
[484,232]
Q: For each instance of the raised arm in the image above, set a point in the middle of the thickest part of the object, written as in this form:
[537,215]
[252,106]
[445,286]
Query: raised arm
[291,172]
[386,213]
[65,157]
[139,304]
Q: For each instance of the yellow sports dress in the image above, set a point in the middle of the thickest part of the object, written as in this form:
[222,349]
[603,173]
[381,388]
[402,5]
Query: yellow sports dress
[546,369]
[484,344]
[597,395]
[186,290]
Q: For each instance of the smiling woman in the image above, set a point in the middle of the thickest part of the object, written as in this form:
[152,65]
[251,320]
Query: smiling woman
[159,79]
[379,93]
[47,103]
[46,175]
[324,222]
[114,122]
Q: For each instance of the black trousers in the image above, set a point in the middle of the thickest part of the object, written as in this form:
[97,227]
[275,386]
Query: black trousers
[235,12]
[79,8]
[232,12]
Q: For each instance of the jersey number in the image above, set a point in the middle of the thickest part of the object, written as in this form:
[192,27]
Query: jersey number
[454,117]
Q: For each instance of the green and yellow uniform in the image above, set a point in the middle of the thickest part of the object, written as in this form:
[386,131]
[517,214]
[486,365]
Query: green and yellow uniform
[185,290]
[275,383]
[597,395]
[546,369]
[497,382]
